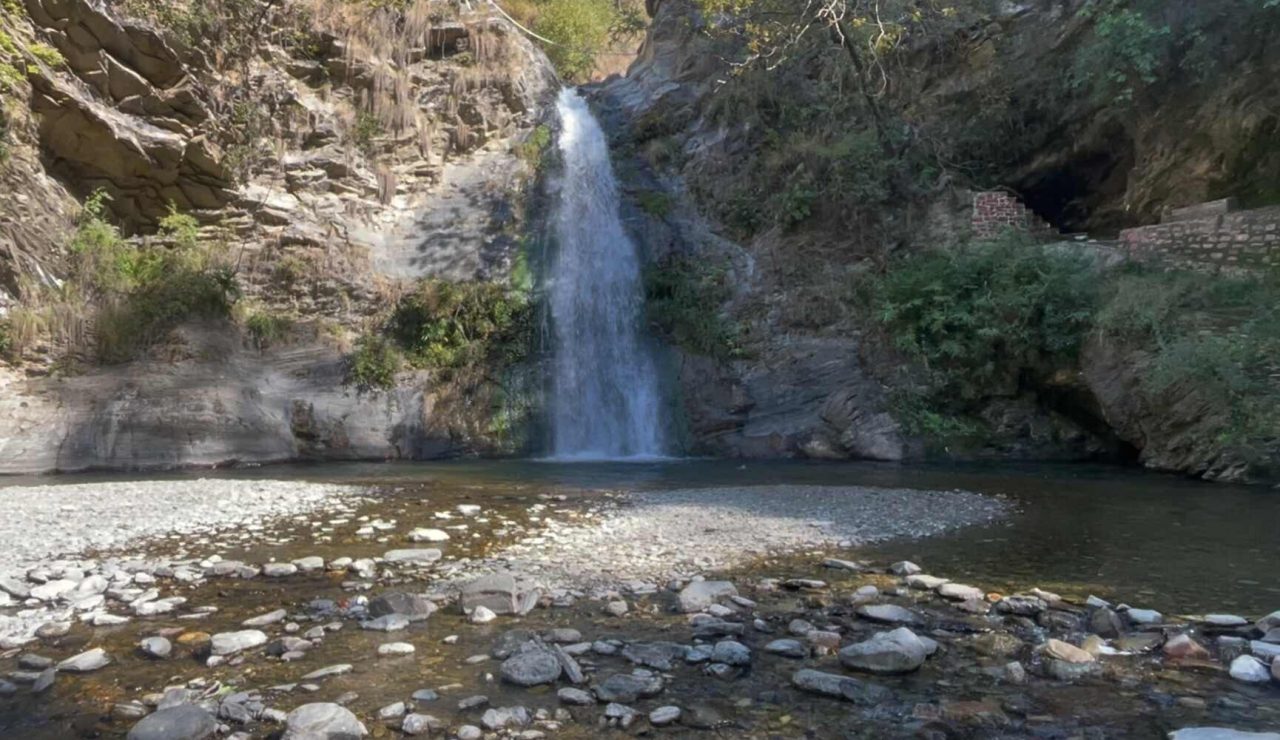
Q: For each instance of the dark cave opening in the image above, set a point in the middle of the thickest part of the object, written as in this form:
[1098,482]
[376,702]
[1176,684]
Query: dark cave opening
[1084,190]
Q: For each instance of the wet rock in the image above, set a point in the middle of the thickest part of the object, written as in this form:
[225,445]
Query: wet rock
[497,592]
[904,568]
[228,643]
[664,716]
[1266,624]
[731,652]
[701,594]
[996,644]
[279,570]
[620,714]
[424,695]
[1266,650]
[839,687]
[34,662]
[627,688]
[481,615]
[572,671]
[322,721]
[183,722]
[420,724]
[7,688]
[1021,605]
[788,648]
[90,660]
[616,608]
[717,627]
[392,712]
[899,651]
[1014,673]
[1106,623]
[328,672]
[1249,669]
[657,655]
[52,630]
[925,583]
[888,613]
[395,649]
[44,681]
[531,665]
[309,564]
[414,607]
[960,592]
[428,535]
[1183,647]
[386,623]
[562,635]
[470,732]
[1225,620]
[419,555]
[575,697]
[850,565]
[500,718]
[156,647]
[1144,617]
[1137,643]
[266,619]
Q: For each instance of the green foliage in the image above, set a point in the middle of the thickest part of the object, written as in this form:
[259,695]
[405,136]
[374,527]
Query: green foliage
[451,326]
[1125,53]
[267,328]
[366,131]
[6,340]
[578,30]
[684,300]
[978,317]
[655,203]
[1218,336]
[535,146]
[374,363]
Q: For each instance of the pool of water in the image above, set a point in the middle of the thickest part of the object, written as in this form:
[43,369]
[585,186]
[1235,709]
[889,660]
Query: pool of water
[1165,542]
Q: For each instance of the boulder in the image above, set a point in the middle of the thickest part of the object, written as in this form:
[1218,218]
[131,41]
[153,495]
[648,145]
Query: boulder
[90,660]
[183,722]
[899,651]
[531,665]
[414,607]
[701,594]
[228,643]
[1249,669]
[497,592]
[839,687]
[322,721]
[626,688]
[1183,647]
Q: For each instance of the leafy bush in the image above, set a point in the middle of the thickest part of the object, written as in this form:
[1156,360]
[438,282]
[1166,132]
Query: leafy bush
[978,317]
[267,328]
[1125,53]
[374,364]
[578,30]
[685,302]
[6,341]
[452,325]
[535,146]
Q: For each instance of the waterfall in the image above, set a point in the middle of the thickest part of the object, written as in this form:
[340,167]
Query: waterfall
[605,402]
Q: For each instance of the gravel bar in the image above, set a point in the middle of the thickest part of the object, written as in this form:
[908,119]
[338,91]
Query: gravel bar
[660,535]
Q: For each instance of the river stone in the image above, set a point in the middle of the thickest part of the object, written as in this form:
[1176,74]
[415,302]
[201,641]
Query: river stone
[322,721]
[959,592]
[1268,650]
[413,555]
[925,583]
[183,722]
[626,688]
[1249,669]
[656,655]
[34,662]
[499,718]
[664,716]
[90,660]
[575,697]
[269,618]
[904,568]
[1275,670]
[395,649]
[156,647]
[899,651]
[701,594]
[227,643]
[496,592]
[328,672]
[7,688]
[788,648]
[481,615]
[531,665]
[839,687]
[279,570]
[15,588]
[420,724]
[1182,647]
[1266,624]
[1106,623]
[50,630]
[386,623]
[1065,651]
[731,652]
[572,671]
[53,589]
[1220,733]
[414,607]
[1022,605]
[890,613]
[44,681]
[1225,620]
[310,563]
[470,732]
[1144,616]
[428,535]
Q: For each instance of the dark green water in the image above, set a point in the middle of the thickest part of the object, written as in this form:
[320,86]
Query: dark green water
[1153,540]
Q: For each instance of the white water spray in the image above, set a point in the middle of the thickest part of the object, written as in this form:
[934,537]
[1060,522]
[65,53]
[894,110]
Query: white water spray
[605,401]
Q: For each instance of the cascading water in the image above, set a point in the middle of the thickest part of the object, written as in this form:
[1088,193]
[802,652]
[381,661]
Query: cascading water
[605,401]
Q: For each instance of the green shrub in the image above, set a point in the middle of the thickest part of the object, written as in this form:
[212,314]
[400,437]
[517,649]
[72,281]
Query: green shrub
[978,317]
[684,301]
[579,30]
[6,341]
[452,325]
[145,315]
[266,328]
[374,364]
[535,146]
[1124,55]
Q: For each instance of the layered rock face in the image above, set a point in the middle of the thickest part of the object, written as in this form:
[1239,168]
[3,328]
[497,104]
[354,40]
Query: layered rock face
[347,155]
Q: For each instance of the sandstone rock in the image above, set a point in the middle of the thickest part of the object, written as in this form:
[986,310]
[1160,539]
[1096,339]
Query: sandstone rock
[1183,647]
[1059,650]
[497,592]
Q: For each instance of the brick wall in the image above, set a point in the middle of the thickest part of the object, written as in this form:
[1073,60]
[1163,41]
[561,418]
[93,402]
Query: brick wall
[1246,240]
[997,211]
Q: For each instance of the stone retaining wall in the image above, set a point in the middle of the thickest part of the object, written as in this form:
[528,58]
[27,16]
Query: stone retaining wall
[1246,240]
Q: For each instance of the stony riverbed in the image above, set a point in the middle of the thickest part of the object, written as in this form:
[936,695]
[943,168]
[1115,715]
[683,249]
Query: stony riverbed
[470,612]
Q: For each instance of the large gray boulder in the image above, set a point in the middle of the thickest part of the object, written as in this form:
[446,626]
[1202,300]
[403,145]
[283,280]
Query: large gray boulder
[322,721]
[899,651]
[531,665]
[499,593]
[414,607]
[183,722]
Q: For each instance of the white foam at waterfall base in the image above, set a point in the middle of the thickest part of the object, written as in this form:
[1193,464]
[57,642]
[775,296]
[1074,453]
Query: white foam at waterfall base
[605,400]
